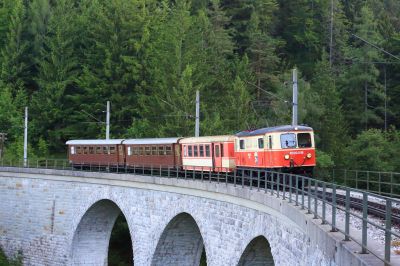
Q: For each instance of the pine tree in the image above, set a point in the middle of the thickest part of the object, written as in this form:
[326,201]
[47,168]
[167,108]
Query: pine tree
[115,35]
[6,7]
[39,17]
[300,27]
[14,65]
[262,52]
[326,114]
[361,92]
[56,72]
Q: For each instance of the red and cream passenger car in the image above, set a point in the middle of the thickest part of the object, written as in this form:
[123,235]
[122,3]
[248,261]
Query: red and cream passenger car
[164,152]
[96,151]
[284,147]
[214,153]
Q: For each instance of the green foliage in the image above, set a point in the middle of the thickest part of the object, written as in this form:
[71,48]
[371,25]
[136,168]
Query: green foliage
[42,149]
[4,261]
[65,59]
[324,160]
[362,93]
[14,151]
[120,249]
[373,150]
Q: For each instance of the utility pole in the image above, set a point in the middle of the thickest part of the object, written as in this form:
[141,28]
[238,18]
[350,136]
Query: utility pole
[295,100]
[26,138]
[366,105]
[385,99]
[108,121]
[331,37]
[197,128]
[2,140]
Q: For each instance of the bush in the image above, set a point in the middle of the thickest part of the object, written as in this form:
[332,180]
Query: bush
[16,261]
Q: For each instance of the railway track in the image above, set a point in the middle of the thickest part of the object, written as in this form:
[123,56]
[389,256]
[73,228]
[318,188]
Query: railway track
[374,208]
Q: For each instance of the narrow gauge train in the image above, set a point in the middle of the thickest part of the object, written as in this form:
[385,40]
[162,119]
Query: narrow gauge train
[281,148]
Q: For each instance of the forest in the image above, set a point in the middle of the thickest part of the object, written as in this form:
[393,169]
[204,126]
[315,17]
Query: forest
[65,59]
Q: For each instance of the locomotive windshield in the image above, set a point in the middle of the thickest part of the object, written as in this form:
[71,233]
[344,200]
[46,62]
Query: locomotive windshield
[288,140]
[304,140]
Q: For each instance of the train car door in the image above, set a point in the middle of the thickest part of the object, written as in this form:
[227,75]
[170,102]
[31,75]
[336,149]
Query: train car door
[217,157]
[269,153]
[177,157]
[121,155]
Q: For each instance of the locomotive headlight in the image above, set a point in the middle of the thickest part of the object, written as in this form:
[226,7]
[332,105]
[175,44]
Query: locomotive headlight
[287,157]
[309,155]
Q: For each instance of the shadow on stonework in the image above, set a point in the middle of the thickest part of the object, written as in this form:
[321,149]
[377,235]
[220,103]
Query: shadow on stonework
[257,253]
[180,243]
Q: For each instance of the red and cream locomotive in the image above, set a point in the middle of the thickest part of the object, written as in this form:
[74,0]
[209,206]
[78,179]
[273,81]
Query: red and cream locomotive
[281,148]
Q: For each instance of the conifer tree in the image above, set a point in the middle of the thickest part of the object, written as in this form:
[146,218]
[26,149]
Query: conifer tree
[14,65]
[326,115]
[361,92]
[56,72]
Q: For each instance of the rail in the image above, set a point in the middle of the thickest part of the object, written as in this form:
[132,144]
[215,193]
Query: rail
[323,200]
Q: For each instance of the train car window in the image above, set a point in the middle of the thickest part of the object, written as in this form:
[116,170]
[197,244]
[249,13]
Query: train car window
[147,150]
[72,150]
[190,151]
[85,150]
[112,150]
[98,150]
[105,150]
[135,150]
[154,150]
[184,150]
[129,151]
[201,149]
[91,150]
[270,141]
[288,140]
[207,150]
[304,140]
[222,150]
[261,143]
[161,150]
[168,150]
[195,151]
[241,144]
[141,150]
[78,150]
[216,150]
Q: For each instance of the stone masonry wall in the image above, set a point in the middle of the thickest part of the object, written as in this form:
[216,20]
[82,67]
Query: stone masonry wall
[41,215]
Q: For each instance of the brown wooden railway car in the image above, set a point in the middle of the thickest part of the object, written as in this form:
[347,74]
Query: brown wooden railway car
[102,152]
[154,152]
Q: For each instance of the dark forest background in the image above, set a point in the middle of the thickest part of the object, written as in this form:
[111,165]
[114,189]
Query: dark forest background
[64,59]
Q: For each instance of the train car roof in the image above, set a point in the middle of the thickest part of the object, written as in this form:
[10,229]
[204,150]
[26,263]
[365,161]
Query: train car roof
[152,141]
[223,138]
[265,130]
[94,141]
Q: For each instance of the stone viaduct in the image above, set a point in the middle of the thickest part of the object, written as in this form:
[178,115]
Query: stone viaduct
[58,217]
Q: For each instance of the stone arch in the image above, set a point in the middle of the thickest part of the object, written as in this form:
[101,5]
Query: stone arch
[181,243]
[257,252]
[92,235]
